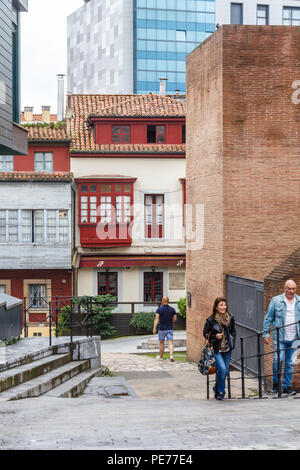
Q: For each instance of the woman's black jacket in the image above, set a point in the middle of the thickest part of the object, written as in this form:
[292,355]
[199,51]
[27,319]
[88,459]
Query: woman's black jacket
[212,326]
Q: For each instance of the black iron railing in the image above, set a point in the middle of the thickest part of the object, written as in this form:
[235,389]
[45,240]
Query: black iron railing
[259,355]
[73,314]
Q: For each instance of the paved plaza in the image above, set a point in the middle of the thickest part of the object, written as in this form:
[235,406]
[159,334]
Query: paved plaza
[167,410]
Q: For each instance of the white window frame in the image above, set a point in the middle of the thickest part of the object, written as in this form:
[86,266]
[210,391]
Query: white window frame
[41,159]
[6,163]
[35,228]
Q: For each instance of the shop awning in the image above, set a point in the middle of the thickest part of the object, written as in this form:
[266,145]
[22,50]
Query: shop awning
[124,262]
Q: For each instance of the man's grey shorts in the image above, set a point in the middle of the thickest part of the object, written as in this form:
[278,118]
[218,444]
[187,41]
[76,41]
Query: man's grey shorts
[165,334]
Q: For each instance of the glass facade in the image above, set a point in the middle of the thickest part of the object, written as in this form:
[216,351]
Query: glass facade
[165,32]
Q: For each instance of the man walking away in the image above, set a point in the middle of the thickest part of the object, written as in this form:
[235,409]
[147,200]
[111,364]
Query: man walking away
[284,312]
[166,316]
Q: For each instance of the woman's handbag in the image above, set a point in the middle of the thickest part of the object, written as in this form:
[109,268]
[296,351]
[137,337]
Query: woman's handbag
[207,363]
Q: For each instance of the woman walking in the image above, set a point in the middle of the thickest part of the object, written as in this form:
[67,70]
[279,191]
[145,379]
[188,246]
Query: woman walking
[219,330]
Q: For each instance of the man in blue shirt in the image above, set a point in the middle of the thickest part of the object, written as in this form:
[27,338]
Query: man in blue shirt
[166,316]
[284,313]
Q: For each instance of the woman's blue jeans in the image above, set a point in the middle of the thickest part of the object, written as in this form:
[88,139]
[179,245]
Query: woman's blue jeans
[222,364]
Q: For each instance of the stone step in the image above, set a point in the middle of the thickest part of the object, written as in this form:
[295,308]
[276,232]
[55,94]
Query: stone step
[46,382]
[154,344]
[109,387]
[18,375]
[75,386]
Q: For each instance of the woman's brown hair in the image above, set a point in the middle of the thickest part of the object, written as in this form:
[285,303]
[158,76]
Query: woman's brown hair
[216,303]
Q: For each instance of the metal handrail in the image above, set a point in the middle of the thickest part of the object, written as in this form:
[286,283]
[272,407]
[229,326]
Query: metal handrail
[259,355]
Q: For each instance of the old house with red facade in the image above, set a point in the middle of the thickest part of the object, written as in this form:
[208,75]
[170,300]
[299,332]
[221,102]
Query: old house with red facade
[128,160]
[36,222]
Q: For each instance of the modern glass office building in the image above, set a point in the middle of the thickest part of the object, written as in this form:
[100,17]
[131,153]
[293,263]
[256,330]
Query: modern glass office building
[165,31]
[126,46]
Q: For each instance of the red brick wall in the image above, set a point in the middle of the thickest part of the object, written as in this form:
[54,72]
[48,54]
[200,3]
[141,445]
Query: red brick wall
[243,145]
[204,185]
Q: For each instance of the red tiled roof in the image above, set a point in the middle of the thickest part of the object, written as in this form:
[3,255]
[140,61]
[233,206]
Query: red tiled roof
[17,176]
[132,148]
[47,132]
[85,106]
[144,106]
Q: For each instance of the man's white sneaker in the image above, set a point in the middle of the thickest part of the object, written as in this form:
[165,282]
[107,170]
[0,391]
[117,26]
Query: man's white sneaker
[159,358]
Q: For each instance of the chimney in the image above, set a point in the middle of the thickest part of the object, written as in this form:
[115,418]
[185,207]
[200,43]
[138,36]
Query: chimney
[46,114]
[28,113]
[163,86]
[60,97]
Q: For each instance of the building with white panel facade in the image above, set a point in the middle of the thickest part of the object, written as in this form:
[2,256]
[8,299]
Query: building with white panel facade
[100,47]
[256,12]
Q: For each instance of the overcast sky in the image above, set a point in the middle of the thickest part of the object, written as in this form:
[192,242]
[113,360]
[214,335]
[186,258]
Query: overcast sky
[44,50]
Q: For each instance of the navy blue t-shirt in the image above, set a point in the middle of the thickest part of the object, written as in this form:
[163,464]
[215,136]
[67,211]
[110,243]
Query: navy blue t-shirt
[166,314]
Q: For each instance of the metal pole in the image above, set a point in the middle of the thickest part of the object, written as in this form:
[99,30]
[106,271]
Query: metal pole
[71,322]
[259,366]
[56,316]
[228,383]
[207,387]
[278,363]
[243,368]
[25,319]
[50,324]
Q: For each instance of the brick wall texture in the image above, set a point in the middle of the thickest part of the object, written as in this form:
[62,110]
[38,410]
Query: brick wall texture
[243,165]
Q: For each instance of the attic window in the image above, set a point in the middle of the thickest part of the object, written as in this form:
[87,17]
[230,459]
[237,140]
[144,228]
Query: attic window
[121,134]
[156,134]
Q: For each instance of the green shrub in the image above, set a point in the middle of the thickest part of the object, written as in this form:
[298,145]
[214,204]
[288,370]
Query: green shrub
[143,321]
[182,307]
[101,309]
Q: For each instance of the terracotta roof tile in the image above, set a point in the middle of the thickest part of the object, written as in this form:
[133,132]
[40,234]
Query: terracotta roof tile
[17,176]
[85,106]
[47,132]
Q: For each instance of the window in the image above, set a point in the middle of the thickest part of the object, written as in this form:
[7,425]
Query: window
[106,203]
[37,294]
[5,286]
[262,15]
[34,226]
[108,284]
[153,287]
[180,35]
[236,13]
[6,163]
[291,16]
[156,134]
[37,334]
[8,226]
[43,161]
[121,134]
[183,133]
[154,214]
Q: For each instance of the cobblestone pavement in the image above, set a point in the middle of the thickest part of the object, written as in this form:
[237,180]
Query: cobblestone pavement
[152,378]
[120,362]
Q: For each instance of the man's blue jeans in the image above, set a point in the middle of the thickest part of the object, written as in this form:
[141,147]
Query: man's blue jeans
[288,353]
[222,363]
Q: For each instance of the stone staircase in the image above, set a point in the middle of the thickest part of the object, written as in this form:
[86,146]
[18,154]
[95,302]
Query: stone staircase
[51,373]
